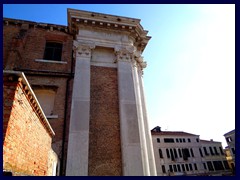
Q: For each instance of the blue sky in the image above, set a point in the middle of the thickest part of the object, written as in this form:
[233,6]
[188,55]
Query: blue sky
[190,77]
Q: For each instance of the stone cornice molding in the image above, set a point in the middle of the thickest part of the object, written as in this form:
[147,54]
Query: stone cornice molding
[83,49]
[78,18]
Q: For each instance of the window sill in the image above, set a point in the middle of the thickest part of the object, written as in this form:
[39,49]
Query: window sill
[52,117]
[50,61]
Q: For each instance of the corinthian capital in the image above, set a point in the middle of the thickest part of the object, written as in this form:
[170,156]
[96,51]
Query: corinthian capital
[124,54]
[83,49]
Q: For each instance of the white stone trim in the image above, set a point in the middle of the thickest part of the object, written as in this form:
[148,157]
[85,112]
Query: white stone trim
[50,61]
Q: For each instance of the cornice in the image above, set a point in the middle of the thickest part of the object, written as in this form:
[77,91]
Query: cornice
[78,18]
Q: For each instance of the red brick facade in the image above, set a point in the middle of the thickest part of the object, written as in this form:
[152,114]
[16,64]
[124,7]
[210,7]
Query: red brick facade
[27,139]
[23,47]
[104,134]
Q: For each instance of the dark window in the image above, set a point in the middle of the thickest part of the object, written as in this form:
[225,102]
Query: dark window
[170,168]
[204,165]
[163,169]
[189,140]
[175,168]
[183,167]
[185,153]
[168,140]
[195,166]
[205,151]
[160,153]
[168,155]
[211,151]
[190,167]
[187,168]
[175,153]
[210,166]
[218,165]
[158,140]
[228,139]
[233,151]
[179,152]
[192,152]
[179,168]
[225,163]
[197,140]
[53,51]
[172,156]
[200,152]
[180,140]
[221,150]
[176,140]
[216,152]
[183,140]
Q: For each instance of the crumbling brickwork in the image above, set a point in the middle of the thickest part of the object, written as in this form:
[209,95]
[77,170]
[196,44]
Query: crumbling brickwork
[27,142]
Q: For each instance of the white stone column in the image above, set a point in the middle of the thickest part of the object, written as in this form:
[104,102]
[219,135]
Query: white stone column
[132,163]
[78,143]
[151,158]
[142,129]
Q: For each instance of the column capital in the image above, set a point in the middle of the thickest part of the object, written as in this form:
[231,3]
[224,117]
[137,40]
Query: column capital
[83,49]
[124,54]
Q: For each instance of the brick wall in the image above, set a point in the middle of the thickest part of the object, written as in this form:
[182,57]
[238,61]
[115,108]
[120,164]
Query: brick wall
[27,142]
[104,133]
[21,46]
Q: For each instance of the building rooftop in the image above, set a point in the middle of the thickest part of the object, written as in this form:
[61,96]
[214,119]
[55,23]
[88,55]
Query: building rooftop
[230,132]
[173,133]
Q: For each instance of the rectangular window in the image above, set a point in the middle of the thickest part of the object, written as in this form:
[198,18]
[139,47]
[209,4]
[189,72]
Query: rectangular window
[205,151]
[168,140]
[221,150]
[163,169]
[189,140]
[216,152]
[179,152]
[200,152]
[170,168]
[158,140]
[204,165]
[192,152]
[160,153]
[183,167]
[180,140]
[195,166]
[197,140]
[233,150]
[183,140]
[53,51]
[176,140]
[210,166]
[218,165]
[172,155]
[185,153]
[190,167]
[211,151]
[175,153]
[175,168]
[168,154]
[187,168]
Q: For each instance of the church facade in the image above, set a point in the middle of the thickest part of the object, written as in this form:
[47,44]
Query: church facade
[87,77]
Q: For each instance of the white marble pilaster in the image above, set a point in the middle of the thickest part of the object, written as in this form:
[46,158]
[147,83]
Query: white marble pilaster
[78,143]
[140,119]
[150,151]
[132,162]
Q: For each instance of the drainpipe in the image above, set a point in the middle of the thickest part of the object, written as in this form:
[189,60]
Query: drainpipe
[65,118]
